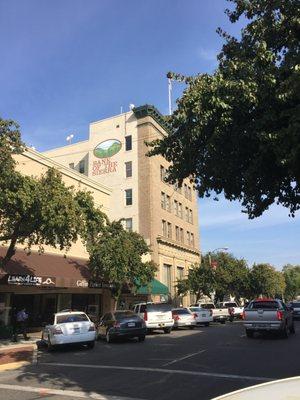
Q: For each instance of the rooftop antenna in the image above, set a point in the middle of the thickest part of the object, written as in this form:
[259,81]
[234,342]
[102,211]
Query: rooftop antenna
[121,109]
[69,138]
[169,76]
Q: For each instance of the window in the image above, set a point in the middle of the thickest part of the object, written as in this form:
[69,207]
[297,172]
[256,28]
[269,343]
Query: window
[192,240]
[168,203]
[167,275]
[180,273]
[128,143]
[187,214]
[163,200]
[177,235]
[188,237]
[128,224]
[177,188]
[169,233]
[128,169]
[176,206]
[180,210]
[189,193]
[71,165]
[82,166]
[162,173]
[181,235]
[164,228]
[185,191]
[191,216]
[128,197]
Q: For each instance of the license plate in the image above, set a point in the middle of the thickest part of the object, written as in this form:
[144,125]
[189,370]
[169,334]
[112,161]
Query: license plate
[203,315]
[261,325]
[130,324]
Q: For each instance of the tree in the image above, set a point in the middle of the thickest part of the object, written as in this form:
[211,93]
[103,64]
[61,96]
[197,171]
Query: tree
[291,275]
[236,130]
[200,281]
[266,281]
[38,212]
[116,257]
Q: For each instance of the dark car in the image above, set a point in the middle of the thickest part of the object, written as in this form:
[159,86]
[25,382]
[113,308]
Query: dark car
[295,307]
[121,324]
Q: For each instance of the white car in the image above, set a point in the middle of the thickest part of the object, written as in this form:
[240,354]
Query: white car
[155,315]
[184,318]
[203,316]
[69,327]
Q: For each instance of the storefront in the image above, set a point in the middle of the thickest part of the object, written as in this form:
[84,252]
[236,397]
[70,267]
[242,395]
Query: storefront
[47,283]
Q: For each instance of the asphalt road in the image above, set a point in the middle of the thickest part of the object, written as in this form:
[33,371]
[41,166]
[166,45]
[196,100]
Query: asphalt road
[199,364]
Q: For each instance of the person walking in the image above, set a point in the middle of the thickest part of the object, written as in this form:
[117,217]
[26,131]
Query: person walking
[22,318]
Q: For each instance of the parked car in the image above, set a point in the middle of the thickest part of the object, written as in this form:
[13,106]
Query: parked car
[121,324]
[155,315]
[234,308]
[220,314]
[268,315]
[183,317]
[295,307]
[202,316]
[69,327]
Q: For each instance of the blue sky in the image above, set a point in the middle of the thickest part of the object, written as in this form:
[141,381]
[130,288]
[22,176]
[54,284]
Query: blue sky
[65,63]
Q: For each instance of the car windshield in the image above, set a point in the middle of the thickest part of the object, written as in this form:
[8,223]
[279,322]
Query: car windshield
[181,311]
[231,305]
[208,306]
[196,309]
[158,307]
[65,318]
[124,314]
[270,305]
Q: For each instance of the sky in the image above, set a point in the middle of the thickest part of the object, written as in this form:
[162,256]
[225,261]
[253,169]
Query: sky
[66,63]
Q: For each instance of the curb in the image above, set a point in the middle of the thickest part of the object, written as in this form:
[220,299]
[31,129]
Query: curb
[20,364]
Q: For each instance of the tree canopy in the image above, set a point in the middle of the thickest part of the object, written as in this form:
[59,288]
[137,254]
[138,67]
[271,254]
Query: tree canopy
[236,130]
[116,256]
[291,275]
[266,281]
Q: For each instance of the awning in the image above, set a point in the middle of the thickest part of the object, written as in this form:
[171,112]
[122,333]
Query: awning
[154,287]
[47,270]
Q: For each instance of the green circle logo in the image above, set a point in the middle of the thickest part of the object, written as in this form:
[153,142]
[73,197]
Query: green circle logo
[108,148]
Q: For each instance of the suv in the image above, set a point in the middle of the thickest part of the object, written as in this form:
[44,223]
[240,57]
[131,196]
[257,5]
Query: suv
[155,315]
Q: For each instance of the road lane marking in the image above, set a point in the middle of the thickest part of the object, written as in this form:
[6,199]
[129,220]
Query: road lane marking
[183,358]
[67,393]
[164,370]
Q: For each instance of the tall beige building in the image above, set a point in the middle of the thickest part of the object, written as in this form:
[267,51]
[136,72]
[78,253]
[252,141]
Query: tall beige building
[167,216]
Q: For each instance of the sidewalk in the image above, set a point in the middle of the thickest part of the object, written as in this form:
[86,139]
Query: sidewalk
[18,354]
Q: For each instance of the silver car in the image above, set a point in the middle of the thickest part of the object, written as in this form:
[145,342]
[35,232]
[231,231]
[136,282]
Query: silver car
[295,307]
[183,317]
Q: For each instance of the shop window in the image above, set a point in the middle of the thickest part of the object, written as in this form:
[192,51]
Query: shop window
[180,273]
[167,276]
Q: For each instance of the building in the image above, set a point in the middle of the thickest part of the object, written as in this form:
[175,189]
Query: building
[115,155]
[49,282]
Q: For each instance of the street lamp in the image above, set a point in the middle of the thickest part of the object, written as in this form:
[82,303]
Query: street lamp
[217,249]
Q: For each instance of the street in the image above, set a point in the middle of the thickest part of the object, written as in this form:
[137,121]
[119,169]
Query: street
[198,364]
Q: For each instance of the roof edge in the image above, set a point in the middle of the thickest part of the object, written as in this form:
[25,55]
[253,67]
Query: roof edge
[148,110]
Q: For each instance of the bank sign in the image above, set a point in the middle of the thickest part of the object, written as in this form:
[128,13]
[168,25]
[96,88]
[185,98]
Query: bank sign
[104,151]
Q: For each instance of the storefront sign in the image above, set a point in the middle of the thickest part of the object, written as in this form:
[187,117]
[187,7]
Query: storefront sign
[101,285]
[82,283]
[30,280]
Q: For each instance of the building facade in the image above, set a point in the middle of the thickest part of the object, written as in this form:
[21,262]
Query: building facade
[52,281]
[115,155]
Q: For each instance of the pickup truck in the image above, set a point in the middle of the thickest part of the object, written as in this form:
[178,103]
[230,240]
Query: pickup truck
[219,314]
[237,310]
[268,315]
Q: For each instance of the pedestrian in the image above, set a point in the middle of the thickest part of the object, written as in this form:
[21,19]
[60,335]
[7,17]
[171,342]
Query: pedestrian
[22,318]
[14,324]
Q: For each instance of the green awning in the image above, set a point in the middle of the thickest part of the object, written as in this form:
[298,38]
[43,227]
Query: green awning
[154,287]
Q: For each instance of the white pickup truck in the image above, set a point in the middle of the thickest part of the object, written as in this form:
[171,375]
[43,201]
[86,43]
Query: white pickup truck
[237,310]
[219,314]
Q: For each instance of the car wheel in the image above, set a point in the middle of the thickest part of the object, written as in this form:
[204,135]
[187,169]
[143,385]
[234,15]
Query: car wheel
[249,333]
[91,344]
[292,328]
[167,330]
[192,327]
[223,321]
[206,324]
[141,338]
